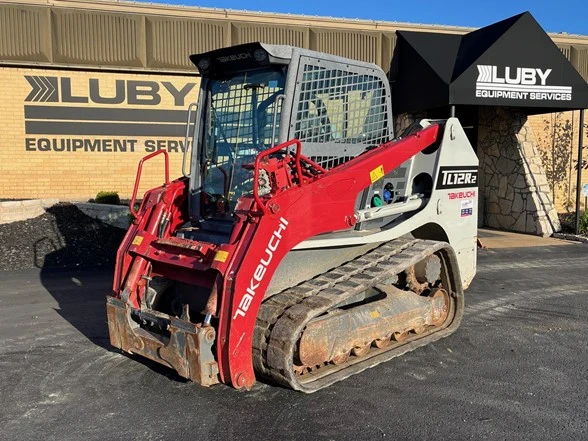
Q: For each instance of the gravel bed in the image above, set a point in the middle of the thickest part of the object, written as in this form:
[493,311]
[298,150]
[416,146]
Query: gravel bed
[63,237]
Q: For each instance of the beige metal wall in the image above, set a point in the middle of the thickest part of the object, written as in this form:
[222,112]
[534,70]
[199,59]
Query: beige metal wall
[127,35]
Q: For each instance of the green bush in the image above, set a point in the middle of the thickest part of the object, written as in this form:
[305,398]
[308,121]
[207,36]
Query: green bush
[568,222]
[107,197]
[583,222]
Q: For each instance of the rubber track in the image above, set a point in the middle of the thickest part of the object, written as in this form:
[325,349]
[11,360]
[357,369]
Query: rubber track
[282,318]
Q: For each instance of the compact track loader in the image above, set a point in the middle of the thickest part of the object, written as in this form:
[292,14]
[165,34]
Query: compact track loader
[305,241]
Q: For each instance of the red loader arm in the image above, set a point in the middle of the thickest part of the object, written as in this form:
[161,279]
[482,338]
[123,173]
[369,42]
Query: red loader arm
[281,221]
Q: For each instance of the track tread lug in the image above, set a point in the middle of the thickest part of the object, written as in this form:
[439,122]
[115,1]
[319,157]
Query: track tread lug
[349,284]
[316,302]
[333,291]
[270,312]
[298,312]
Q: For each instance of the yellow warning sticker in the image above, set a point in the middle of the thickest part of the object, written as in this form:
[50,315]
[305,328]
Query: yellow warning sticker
[377,173]
[375,314]
[221,256]
[137,240]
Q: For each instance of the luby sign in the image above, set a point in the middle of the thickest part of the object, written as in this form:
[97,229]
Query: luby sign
[108,114]
[146,93]
[519,83]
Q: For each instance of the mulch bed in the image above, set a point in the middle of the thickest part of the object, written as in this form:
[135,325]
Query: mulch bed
[63,237]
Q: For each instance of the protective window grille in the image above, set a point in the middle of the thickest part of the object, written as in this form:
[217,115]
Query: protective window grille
[246,115]
[240,116]
[340,107]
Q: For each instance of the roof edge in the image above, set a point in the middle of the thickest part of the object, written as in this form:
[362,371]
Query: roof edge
[254,16]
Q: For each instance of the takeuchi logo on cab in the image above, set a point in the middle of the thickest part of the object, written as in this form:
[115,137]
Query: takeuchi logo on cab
[519,83]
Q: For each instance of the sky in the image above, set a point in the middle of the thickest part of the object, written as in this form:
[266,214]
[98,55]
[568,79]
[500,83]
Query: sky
[567,16]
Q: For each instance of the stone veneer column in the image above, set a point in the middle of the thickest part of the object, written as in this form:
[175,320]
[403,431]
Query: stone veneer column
[516,196]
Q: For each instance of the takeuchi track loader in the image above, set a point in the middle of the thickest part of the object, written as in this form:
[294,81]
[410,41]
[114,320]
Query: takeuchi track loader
[305,241]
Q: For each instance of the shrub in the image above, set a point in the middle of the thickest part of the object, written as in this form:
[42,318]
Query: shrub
[107,197]
[568,222]
[583,222]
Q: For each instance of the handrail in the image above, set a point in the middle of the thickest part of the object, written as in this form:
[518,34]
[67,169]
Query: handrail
[275,116]
[187,138]
[138,179]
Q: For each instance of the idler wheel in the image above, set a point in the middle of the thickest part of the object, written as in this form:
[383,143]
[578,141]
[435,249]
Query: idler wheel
[441,307]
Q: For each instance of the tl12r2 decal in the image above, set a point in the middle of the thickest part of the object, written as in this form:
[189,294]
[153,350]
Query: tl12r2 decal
[464,176]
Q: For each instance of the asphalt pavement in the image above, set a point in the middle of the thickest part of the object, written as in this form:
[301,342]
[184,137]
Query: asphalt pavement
[517,369]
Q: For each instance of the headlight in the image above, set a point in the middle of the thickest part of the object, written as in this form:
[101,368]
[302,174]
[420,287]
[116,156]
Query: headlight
[260,55]
[203,64]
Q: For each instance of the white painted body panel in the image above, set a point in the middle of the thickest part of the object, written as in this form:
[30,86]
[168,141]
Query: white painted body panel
[461,230]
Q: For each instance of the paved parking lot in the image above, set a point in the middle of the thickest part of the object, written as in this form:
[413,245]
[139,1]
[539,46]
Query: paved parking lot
[516,369]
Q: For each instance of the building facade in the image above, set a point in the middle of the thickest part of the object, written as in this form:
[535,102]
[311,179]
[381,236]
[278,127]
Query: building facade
[90,87]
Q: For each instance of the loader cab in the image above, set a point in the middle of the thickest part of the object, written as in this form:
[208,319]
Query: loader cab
[255,96]
[238,116]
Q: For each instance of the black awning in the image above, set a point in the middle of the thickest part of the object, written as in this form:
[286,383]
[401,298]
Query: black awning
[509,63]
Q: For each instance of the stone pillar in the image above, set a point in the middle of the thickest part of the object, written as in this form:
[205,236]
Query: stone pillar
[513,187]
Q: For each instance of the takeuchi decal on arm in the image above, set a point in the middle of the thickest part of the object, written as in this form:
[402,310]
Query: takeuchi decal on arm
[259,273]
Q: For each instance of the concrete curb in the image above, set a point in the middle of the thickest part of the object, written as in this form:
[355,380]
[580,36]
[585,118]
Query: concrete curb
[573,237]
[14,211]
[115,215]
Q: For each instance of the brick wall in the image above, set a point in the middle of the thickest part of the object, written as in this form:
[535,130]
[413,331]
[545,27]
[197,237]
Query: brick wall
[57,141]
[559,162]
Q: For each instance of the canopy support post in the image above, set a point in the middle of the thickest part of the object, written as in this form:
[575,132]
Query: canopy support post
[452,112]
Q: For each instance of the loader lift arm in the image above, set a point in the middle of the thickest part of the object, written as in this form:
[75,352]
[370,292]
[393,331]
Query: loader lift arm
[283,220]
